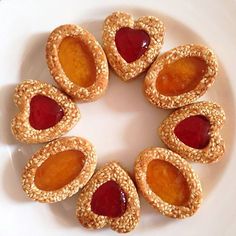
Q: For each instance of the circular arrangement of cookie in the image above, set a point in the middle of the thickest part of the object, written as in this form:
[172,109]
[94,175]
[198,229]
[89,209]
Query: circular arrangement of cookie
[65,165]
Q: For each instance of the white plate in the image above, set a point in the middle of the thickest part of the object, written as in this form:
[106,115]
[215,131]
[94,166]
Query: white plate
[120,124]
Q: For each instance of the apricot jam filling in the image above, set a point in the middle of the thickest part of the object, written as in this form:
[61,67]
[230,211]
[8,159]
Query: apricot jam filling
[59,169]
[181,76]
[166,181]
[77,61]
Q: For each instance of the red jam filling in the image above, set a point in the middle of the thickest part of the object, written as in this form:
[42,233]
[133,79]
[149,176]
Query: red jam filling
[131,43]
[194,131]
[109,200]
[44,112]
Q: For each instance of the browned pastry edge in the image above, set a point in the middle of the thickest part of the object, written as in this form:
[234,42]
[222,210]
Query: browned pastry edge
[59,145]
[152,25]
[177,53]
[216,147]
[123,224]
[20,125]
[86,94]
[163,207]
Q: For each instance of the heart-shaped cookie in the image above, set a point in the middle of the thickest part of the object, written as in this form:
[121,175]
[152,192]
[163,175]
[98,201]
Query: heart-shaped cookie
[45,112]
[180,76]
[131,46]
[77,62]
[193,132]
[168,182]
[110,197]
[59,169]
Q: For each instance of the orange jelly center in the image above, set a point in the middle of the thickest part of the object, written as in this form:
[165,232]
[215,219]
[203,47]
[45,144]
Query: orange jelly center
[181,76]
[77,61]
[168,182]
[58,170]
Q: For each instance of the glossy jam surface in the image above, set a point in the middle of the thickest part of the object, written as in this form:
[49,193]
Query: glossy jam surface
[77,62]
[166,181]
[109,200]
[194,131]
[58,170]
[181,76]
[131,43]
[44,112]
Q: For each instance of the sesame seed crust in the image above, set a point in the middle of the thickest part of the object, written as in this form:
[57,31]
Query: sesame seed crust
[52,148]
[140,170]
[152,25]
[97,89]
[216,147]
[171,56]
[123,224]
[20,124]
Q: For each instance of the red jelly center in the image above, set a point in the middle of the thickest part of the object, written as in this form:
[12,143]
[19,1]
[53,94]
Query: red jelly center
[109,200]
[131,43]
[44,112]
[194,131]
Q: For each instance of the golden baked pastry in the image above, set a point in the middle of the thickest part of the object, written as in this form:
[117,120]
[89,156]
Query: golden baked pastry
[77,62]
[45,112]
[168,182]
[180,76]
[193,132]
[59,169]
[131,46]
[110,197]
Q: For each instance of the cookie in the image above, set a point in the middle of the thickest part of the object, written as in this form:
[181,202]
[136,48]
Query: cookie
[59,169]
[77,62]
[180,76]
[45,112]
[110,197]
[168,182]
[193,132]
[131,46]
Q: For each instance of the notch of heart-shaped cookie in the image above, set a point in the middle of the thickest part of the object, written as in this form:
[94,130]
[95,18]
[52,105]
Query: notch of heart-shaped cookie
[110,197]
[45,112]
[193,132]
[168,182]
[59,169]
[131,46]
